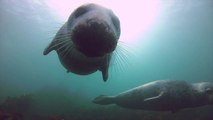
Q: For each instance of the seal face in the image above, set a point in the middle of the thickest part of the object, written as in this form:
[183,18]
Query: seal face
[85,43]
[94,33]
[162,95]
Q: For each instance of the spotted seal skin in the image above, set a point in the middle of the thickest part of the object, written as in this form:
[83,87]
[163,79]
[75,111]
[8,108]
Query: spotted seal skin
[162,95]
[85,43]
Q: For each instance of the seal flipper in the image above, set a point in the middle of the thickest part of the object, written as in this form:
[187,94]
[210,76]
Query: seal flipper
[56,42]
[104,71]
[155,97]
[48,49]
[104,100]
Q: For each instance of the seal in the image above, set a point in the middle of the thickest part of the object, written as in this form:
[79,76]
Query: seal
[85,43]
[162,95]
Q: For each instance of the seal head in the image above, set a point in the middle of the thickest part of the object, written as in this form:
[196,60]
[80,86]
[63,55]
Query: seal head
[94,32]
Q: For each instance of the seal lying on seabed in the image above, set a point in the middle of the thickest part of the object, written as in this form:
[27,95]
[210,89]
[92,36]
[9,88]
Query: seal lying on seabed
[85,43]
[162,95]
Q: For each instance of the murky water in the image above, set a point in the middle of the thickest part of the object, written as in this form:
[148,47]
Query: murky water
[174,41]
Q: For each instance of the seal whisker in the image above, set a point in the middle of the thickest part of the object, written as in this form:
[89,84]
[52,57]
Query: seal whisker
[61,46]
[63,53]
[60,36]
[115,67]
[59,42]
[67,48]
[69,51]
[127,52]
[119,60]
[121,56]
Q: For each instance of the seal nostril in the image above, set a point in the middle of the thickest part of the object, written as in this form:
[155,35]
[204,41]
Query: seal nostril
[94,39]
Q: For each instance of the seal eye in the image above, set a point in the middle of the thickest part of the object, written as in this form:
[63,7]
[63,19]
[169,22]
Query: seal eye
[80,11]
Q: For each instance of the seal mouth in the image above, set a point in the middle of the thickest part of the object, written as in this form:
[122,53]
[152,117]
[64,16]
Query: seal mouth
[94,38]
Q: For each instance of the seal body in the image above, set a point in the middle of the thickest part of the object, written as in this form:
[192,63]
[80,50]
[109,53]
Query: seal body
[85,43]
[162,95]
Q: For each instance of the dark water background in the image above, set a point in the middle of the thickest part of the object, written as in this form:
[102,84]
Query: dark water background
[178,46]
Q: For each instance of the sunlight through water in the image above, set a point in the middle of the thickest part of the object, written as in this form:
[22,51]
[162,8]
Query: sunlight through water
[136,17]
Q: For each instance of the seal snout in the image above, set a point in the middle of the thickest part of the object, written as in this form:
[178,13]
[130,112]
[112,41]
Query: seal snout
[94,38]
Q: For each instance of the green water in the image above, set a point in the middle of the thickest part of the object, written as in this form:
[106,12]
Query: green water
[179,45]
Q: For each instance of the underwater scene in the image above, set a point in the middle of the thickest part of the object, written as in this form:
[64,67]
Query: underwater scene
[106,60]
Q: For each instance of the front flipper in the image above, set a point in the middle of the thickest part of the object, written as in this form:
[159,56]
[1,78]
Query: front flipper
[49,48]
[57,41]
[155,97]
[104,71]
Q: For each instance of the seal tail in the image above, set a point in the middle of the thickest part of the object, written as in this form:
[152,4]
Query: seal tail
[104,100]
